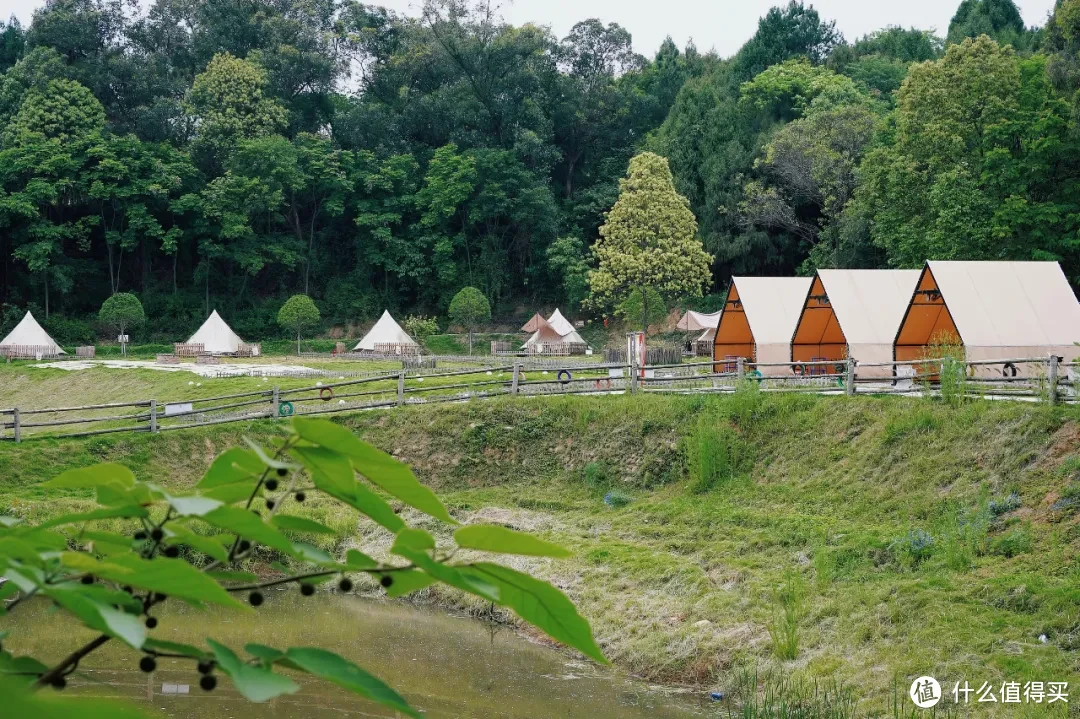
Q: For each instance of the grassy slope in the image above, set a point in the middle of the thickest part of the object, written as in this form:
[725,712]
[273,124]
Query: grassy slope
[825,494]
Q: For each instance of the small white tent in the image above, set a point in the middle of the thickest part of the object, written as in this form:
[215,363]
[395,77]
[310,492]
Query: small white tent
[29,339]
[566,330]
[216,336]
[385,332]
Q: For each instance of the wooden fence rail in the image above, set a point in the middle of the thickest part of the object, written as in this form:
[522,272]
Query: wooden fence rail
[1039,379]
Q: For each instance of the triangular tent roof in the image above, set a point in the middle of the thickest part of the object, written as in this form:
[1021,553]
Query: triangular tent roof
[534,323]
[998,310]
[28,333]
[693,321]
[869,304]
[544,334]
[216,336]
[561,324]
[385,332]
[772,305]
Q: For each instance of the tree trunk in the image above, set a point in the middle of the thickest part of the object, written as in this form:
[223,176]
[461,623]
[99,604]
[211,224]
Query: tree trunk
[46,276]
[470,341]
[644,313]
[298,343]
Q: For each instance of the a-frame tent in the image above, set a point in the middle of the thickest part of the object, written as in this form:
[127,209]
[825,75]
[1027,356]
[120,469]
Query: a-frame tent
[216,337]
[535,322]
[758,319]
[544,334]
[852,313]
[696,321]
[30,340]
[387,335]
[995,310]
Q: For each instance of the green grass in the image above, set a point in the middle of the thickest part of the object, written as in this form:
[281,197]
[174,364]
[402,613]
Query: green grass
[917,537]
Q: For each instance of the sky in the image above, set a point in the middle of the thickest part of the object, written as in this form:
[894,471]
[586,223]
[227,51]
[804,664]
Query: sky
[723,25]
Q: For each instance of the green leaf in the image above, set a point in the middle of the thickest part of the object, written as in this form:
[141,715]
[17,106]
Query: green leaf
[125,511]
[333,474]
[193,506]
[417,540]
[6,521]
[358,560]
[245,524]
[407,582]
[541,605]
[19,665]
[20,549]
[100,617]
[207,545]
[329,666]
[172,577]
[255,683]
[312,554]
[160,645]
[267,459]
[19,701]
[493,538]
[267,655]
[108,473]
[394,477]
[292,523]
[448,574]
[231,493]
[232,465]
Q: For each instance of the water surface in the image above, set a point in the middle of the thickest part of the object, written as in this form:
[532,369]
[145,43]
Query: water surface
[445,665]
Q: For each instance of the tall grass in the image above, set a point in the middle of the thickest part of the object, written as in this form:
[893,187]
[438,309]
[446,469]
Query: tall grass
[788,606]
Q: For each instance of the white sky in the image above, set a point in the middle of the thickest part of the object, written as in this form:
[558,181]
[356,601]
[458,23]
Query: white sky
[723,25]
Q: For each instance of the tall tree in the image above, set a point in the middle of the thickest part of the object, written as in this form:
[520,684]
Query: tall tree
[1000,19]
[648,241]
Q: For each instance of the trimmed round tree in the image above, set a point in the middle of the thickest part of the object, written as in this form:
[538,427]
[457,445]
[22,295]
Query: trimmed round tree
[298,314]
[648,241]
[122,312]
[470,308]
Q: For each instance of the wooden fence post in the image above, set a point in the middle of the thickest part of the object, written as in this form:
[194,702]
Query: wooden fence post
[849,380]
[15,424]
[517,378]
[275,400]
[153,416]
[1052,378]
[632,366]
[401,388]
[740,369]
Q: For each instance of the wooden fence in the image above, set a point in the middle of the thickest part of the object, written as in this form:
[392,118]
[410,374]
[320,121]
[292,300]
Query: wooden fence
[1030,379]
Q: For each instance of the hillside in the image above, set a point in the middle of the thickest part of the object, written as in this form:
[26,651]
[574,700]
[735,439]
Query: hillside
[903,537]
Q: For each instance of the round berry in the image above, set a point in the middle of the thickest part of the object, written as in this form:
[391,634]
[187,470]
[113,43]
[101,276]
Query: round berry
[156,534]
[205,667]
[140,536]
[172,551]
[386,581]
[208,682]
[282,471]
[147,664]
[129,589]
[345,584]
[244,545]
[58,682]
[269,504]
[159,597]
[256,598]
[151,622]
[88,579]
[300,497]
[307,589]
[271,484]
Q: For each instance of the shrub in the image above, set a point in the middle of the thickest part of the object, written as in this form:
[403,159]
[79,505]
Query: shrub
[470,308]
[784,629]
[914,547]
[1005,504]
[714,454]
[298,314]
[1018,541]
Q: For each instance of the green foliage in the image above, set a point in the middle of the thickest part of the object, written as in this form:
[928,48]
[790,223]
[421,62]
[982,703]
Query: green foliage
[50,558]
[420,328]
[297,314]
[999,19]
[646,307]
[648,240]
[788,611]
[714,454]
[469,308]
[122,311]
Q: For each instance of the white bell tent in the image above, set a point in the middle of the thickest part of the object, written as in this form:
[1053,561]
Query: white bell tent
[216,337]
[29,339]
[386,336]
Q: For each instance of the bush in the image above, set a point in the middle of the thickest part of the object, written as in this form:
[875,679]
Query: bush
[913,548]
[1005,504]
[1018,541]
[784,629]
[714,454]
[69,330]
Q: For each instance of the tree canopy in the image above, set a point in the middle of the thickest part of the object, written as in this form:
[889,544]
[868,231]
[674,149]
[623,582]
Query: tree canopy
[469,308]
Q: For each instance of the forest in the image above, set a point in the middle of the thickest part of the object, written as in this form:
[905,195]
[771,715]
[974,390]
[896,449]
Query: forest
[230,153]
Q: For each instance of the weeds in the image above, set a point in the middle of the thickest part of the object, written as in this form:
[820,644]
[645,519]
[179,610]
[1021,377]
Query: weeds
[788,608]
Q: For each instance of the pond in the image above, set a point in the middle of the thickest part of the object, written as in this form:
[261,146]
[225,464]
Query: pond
[445,665]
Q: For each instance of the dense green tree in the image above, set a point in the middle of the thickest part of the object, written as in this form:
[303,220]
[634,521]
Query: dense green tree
[12,43]
[648,241]
[122,312]
[567,259]
[1063,46]
[469,308]
[647,307]
[793,30]
[299,313]
[1000,19]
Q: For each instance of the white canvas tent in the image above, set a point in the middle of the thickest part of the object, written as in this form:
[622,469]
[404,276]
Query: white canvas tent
[694,321]
[759,318]
[558,331]
[216,336]
[385,332]
[997,310]
[29,339]
[853,313]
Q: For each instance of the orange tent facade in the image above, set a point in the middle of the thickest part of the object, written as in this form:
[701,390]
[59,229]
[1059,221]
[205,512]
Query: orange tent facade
[758,319]
[852,313]
[994,310]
